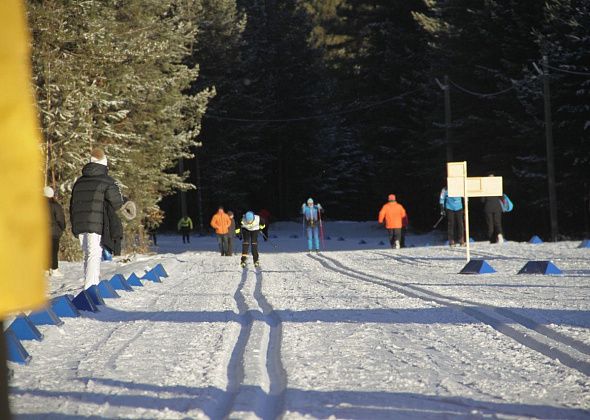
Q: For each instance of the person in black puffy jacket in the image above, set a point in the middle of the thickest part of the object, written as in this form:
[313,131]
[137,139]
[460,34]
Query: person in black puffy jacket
[87,207]
[58,225]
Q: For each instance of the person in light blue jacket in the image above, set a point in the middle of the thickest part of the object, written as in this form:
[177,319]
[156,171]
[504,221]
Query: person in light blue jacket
[452,207]
[312,220]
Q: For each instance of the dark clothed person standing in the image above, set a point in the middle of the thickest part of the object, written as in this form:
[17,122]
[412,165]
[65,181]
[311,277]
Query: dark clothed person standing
[87,211]
[231,233]
[58,225]
[492,208]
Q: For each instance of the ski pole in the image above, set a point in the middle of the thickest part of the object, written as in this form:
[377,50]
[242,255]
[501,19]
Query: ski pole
[442,216]
[321,230]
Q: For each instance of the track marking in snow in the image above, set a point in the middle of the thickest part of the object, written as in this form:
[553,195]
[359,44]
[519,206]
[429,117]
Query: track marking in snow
[256,378]
[496,319]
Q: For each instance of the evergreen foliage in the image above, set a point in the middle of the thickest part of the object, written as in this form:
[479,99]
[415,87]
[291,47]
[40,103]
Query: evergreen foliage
[334,99]
[111,73]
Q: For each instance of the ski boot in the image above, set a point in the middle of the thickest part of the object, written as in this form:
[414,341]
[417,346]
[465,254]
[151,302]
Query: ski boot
[243,262]
[257,264]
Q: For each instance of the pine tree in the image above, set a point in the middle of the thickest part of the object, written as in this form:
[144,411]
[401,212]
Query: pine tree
[112,74]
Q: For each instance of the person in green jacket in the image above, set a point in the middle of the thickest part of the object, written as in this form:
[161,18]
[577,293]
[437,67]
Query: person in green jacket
[185,225]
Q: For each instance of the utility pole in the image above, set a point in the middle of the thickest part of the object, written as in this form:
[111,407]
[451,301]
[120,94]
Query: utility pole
[199,197]
[446,89]
[448,119]
[550,158]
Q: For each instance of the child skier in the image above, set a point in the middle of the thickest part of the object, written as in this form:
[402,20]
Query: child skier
[250,226]
[312,218]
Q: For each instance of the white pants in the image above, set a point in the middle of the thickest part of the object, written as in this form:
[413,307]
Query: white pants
[90,243]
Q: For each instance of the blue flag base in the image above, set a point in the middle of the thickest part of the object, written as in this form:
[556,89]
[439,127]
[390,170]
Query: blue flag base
[15,350]
[63,306]
[24,329]
[45,317]
[84,302]
[539,267]
[151,276]
[159,269]
[477,267]
[105,290]
[118,282]
[133,280]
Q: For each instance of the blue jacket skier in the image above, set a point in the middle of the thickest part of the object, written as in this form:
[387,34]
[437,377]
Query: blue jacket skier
[312,219]
[452,207]
[248,231]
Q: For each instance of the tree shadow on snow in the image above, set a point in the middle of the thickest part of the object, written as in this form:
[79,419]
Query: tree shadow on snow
[365,404]
[434,315]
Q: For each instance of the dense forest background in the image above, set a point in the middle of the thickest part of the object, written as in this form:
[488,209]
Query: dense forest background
[263,103]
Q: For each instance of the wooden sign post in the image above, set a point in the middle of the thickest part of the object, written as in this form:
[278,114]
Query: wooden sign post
[459,185]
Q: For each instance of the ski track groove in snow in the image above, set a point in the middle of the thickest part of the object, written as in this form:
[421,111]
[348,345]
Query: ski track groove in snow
[261,365]
[276,373]
[526,322]
[384,335]
[235,367]
[497,323]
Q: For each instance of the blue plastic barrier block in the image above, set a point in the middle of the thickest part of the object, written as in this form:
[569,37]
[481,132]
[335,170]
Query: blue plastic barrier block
[15,350]
[151,276]
[45,317]
[341,238]
[84,302]
[477,267]
[105,290]
[328,238]
[94,295]
[118,282]
[24,329]
[539,267]
[381,243]
[585,244]
[535,240]
[294,236]
[362,242]
[159,269]
[63,306]
[133,280]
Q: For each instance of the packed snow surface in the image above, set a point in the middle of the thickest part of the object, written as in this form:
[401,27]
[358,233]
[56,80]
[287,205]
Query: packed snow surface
[358,331]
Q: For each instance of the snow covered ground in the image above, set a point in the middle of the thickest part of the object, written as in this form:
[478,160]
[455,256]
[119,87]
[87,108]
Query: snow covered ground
[358,331]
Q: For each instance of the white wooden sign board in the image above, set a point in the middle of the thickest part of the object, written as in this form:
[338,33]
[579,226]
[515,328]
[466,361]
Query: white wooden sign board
[485,186]
[459,185]
[456,169]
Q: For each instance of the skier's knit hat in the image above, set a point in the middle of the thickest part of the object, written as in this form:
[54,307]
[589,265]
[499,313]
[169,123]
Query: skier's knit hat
[391,197]
[249,217]
[48,192]
[97,156]
[310,200]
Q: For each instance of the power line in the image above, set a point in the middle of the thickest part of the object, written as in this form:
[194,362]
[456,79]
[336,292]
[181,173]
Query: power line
[482,95]
[313,117]
[578,73]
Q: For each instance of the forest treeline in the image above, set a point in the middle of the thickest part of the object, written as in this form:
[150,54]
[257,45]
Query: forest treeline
[268,102]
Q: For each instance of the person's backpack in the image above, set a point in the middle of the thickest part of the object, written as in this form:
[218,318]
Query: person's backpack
[507,205]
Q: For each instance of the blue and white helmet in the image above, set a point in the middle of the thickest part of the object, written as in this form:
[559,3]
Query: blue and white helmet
[310,201]
[249,217]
